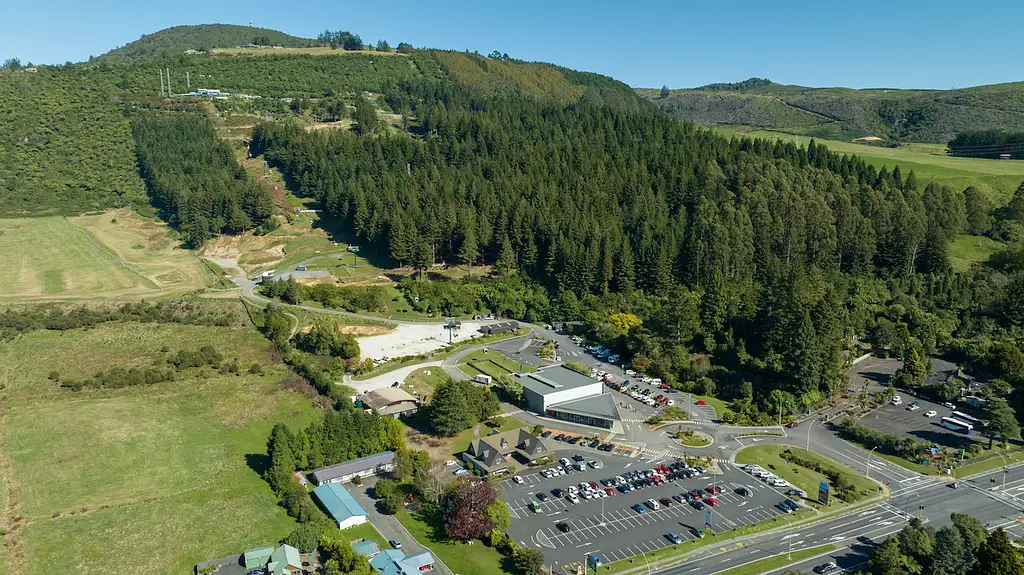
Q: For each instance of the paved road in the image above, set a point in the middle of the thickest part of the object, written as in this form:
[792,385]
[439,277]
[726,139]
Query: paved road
[857,533]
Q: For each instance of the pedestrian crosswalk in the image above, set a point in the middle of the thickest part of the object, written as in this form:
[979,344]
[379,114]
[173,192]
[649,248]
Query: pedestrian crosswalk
[634,420]
[513,412]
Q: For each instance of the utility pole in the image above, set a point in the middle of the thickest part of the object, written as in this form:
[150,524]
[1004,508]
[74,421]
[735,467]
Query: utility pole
[188,82]
[808,448]
[161,83]
[169,92]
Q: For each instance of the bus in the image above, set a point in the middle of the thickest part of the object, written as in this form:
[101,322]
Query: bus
[964,417]
[957,425]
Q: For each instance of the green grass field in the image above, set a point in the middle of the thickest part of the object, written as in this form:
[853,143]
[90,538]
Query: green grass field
[114,254]
[491,363]
[423,381]
[997,178]
[966,250]
[164,475]
[770,457]
[366,531]
[427,527]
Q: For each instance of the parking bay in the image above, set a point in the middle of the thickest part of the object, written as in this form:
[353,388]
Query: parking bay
[618,532]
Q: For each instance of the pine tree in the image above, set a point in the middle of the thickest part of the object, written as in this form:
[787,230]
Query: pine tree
[625,273]
[911,183]
[664,92]
[449,411]
[398,242]
[468,251]
[951,556]
[506,263]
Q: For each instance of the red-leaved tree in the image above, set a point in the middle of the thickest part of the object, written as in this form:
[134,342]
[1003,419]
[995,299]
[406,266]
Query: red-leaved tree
[465,509]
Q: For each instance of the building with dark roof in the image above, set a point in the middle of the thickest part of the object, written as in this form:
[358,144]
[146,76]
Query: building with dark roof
[561,393]
[494,454]
[365,467]
[496,328]
[390,401]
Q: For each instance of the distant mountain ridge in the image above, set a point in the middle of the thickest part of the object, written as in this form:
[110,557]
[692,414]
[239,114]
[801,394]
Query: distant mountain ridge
[934,116]
[176,40]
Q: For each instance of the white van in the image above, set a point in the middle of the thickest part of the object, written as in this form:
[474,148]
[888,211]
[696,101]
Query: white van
[896,400]
[653,504]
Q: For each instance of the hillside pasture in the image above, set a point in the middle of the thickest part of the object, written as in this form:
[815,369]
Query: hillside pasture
[165,474]
[51,258]
[996,178]
[967,250]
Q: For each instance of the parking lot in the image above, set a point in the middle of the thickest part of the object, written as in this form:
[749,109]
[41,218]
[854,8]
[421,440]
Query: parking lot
[899,420]
[609,527]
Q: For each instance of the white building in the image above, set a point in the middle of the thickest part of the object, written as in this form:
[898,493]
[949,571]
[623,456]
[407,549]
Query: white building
[561,393]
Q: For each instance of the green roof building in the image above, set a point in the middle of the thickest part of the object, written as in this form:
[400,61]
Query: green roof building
[254,558]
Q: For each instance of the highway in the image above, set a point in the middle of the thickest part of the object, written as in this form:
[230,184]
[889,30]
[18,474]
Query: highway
[856,533]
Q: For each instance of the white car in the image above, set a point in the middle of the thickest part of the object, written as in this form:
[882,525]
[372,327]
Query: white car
[518,480]
[949,405]
[776,482]
[571,489]
[931,413]
[653,504]
[573,499]
[564,461]
[913,406]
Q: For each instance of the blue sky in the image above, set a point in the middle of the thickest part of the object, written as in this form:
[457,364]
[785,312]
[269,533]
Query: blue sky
[682,43]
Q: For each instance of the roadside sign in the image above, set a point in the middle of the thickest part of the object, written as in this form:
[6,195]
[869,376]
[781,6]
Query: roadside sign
[823,492]
[707,518]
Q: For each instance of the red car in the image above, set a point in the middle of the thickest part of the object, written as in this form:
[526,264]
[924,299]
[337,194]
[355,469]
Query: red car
[701,402]
[712,490]
[663,470]
[694,495]
[593,484]
[711,501]
[663,386]
[609,491]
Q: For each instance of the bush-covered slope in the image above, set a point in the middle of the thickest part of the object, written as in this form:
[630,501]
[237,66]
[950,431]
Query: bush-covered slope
[175,41]
[65,145]
[898,115]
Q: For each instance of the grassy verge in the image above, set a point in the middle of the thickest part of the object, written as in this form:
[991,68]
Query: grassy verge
[988,463]
[367,532]
[778,561]
[771,457]
[690,546]
[427,527]
[720,405]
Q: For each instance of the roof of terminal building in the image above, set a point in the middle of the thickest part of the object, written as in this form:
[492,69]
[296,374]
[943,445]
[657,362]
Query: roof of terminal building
[554,379]
[602,405]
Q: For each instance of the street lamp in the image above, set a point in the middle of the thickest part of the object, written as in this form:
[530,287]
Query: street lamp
[789,553]
[906,501]
[867,463]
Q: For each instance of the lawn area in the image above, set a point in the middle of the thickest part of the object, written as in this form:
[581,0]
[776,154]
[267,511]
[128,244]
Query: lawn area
[49,258]
[770,457]
[491,363]
[997,178]
[718,539]
[167,474]
[366,531]
[720,405]
[988,463]
[966,250]
[778,561]
[423,381]
[427,527]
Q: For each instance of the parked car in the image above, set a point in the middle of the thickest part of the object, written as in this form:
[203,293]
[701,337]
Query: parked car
[914,406]
[744,492]
[546,434]
[949,405]
[711,501]
[654,505]
[697,504]
[595,464]
[638,508]
[665,501]
[713,489]
[594,443]
[701,402]
[396,543]
[541,496]
[518,480]
[573,498]
[698,532]
[578,457]
[930,413]
[563,527]
[826,568]
[673,537]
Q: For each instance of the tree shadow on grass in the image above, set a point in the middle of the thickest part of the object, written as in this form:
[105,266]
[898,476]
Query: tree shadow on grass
[258,462]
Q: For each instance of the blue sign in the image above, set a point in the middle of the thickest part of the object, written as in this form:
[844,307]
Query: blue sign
[823,492]
[707,518]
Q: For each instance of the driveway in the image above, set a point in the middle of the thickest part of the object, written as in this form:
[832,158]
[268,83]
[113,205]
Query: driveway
[388,526]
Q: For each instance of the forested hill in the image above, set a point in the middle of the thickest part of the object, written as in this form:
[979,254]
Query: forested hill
[175,41]
[841,113]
